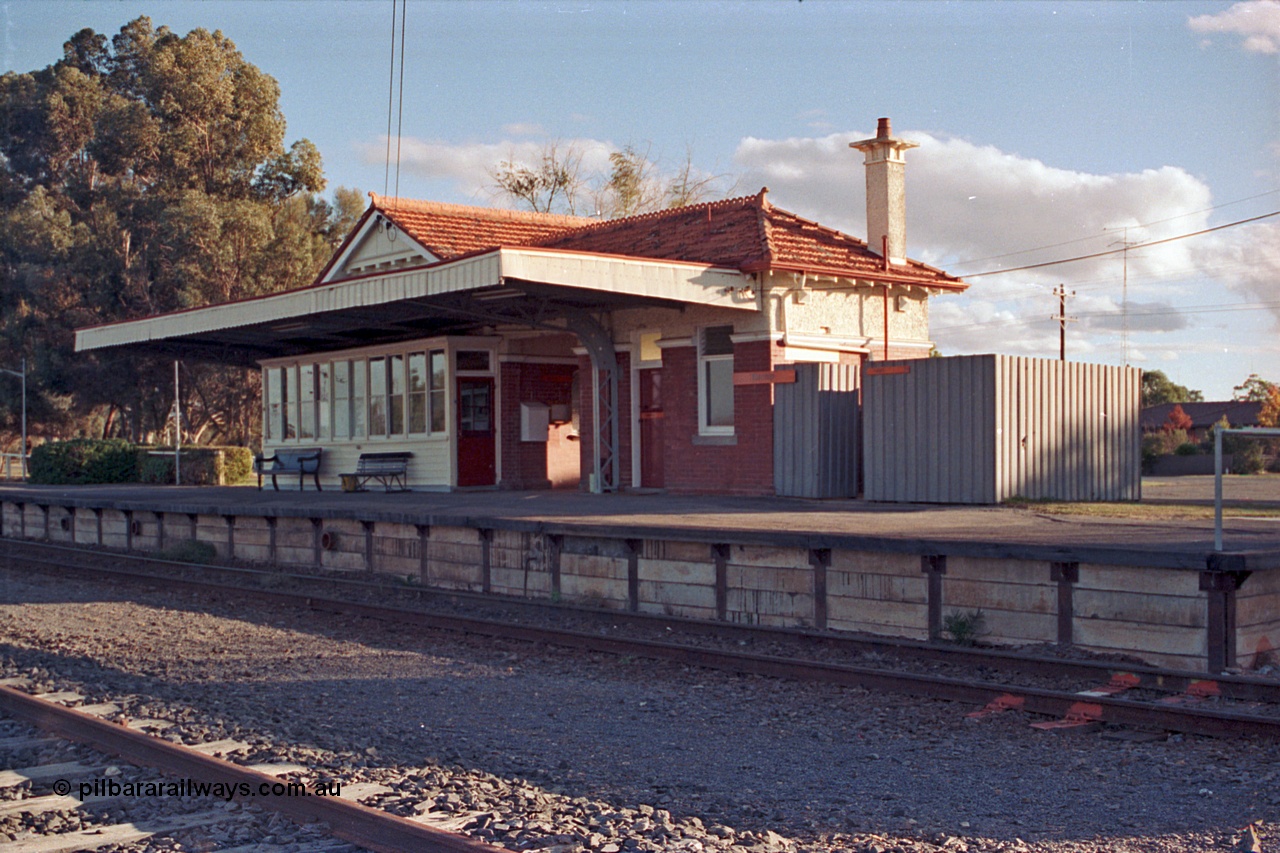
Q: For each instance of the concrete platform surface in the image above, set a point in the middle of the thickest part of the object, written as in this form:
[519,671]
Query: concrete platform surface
[993,531]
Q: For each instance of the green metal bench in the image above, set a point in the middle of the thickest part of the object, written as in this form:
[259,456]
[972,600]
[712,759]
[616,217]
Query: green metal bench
[301,461]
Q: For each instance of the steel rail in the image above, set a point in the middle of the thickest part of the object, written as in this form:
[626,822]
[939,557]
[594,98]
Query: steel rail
[1226,686]
[1106,709]
[368,827]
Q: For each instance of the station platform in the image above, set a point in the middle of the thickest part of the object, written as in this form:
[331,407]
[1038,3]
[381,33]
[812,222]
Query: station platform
[1011,531]
[1152,589]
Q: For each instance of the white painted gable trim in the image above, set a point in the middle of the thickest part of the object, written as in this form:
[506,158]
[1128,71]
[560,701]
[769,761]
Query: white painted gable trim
[338,268]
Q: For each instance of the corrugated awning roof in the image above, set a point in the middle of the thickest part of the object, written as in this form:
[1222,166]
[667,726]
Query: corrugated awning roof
[534,287]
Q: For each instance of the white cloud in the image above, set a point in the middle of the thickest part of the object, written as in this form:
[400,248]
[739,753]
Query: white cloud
[975,208]
[1258,21]
[523,129]
[467,164]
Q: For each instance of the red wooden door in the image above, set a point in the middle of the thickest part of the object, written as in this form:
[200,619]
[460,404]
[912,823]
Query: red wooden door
[477,450]
[651,421]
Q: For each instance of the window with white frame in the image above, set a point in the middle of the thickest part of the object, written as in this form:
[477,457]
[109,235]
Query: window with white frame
[324,398]
[417,393]
[290,396]
[274,399]
[377,397]
[341,399]
[358,386]
[391,394]
[306,401]
[395,395]
[437,395]
[715,381]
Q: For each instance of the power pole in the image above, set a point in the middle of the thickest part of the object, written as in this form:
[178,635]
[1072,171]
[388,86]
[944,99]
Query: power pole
[1062,293]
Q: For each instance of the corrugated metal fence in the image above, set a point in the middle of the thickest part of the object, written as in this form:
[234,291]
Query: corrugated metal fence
[815,432]
[981,429]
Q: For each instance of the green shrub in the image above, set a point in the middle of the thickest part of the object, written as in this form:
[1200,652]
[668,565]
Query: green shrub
[237,465]
[1246,458]
[1152,449]
[965,627]
[1188,449]
[83,461]
[200,467]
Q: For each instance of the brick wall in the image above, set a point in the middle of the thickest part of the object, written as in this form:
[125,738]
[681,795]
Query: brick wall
[743,467]
[525,464]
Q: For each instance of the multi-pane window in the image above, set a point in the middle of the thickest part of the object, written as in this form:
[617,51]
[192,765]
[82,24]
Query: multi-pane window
[342,399]
[377,397]
[275,403]
[395,396]
[290,402]
[715,380]
[437,393]
[358,388]
[417,393]
[306,401]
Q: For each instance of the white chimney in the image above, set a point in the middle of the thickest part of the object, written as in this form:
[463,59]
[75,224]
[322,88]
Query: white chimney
[886,193]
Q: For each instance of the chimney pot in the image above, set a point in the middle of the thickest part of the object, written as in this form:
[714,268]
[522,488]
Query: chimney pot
[882,129]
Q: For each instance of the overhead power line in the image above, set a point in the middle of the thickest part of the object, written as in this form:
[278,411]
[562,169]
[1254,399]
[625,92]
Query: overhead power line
[1214,308]
[1129,247]
[1097,236]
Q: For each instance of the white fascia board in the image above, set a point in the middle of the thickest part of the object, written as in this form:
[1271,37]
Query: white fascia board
[679,282]
[690,283]
[378,289]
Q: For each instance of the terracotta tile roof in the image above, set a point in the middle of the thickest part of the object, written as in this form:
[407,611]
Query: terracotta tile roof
[449,230]
[746,233]
[1239,413]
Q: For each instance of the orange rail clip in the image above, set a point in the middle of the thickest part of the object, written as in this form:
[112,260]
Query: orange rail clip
[1000,704]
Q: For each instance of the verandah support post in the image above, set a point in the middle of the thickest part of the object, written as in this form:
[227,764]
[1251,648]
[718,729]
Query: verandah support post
[368,545]
[1066,575]
[230,521]
[486,557]
[720,553]
[820,559]
[1225,573]
[424,554]
[555,544]
[634,546]
[934,566]
[317,543]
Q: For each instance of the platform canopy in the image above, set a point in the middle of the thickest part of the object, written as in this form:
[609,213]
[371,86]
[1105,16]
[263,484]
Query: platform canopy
[532,287]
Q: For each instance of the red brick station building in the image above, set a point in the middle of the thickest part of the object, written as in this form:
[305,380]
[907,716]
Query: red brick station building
[527,351]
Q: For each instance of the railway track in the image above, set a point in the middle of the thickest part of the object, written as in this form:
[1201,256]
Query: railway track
[74,781]
[1073,693]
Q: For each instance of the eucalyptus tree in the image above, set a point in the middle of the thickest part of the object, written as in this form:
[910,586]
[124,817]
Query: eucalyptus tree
[141,174]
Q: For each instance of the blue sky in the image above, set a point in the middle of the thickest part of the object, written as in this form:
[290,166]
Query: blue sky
[1041,125]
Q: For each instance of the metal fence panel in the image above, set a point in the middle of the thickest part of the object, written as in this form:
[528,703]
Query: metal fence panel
[982,429]
[815,432]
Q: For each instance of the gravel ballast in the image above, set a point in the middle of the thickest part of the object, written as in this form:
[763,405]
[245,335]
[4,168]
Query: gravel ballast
[540,748]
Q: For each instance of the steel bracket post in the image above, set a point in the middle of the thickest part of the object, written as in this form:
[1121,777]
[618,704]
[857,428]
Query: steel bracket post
[604,397]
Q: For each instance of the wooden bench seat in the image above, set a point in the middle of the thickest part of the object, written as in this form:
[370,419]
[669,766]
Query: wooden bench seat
[297,460]
[389,469]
